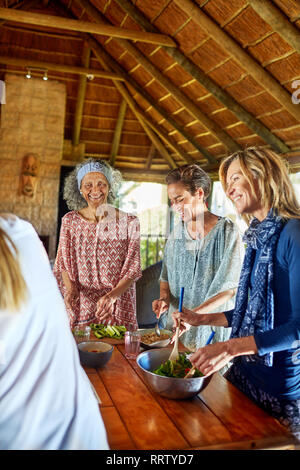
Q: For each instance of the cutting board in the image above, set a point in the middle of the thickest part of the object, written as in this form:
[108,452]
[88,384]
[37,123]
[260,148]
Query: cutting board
[107,340]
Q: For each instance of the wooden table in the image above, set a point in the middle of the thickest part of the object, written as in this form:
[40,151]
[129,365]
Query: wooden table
[220,417]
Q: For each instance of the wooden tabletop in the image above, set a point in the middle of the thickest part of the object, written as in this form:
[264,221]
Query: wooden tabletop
[220,417]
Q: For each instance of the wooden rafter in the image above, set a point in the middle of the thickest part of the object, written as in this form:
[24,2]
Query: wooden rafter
[278,21]
[240,55]
[153,103]
[80,96]
[140,90]
[27,63]
[151,134]
[55,22]
[190,106]
[208,83]
[118,132]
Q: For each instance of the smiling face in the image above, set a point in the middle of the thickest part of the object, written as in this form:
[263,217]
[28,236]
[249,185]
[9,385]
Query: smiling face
[238,189]
[94,189]
[183,202]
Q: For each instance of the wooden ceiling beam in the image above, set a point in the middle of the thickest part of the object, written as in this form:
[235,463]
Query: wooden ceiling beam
[190,106]
[118,132]
[27,63]
[150,133]
[208,83]
[278,21]
[249,64]
[140,90]
[113,64]
[56,22]
[101,53]
[81,96]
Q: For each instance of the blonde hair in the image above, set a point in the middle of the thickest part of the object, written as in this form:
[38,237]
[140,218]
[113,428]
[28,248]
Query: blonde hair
[271,172]
[13,287]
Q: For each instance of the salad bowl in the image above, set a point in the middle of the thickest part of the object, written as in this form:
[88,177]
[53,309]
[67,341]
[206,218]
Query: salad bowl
[168,387]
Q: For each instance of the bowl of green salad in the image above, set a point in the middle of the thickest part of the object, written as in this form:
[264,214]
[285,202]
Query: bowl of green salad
[167,378]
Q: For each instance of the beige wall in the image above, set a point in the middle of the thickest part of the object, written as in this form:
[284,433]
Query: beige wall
[32,121]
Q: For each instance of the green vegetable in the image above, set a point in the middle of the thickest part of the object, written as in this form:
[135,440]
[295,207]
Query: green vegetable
[177,369]
[110,331]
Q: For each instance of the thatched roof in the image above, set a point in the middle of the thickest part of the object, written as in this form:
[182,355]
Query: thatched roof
[169,81]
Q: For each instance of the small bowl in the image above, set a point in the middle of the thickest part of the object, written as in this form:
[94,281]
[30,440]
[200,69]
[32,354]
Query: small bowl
[94,359]
[158,344]
[168,387]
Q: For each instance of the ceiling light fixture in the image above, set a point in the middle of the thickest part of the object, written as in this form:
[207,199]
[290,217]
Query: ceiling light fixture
[28,74]
[45,77]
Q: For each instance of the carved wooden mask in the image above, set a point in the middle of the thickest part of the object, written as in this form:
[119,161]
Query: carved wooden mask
[29,175]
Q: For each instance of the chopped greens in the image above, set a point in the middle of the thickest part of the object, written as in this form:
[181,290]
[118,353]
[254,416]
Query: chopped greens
[110,331]
[177,369]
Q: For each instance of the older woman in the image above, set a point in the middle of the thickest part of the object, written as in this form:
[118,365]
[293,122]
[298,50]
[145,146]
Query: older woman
[265,322]
[203,254]
[98,258]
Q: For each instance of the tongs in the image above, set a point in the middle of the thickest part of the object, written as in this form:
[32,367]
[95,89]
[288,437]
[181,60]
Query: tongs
[192,370]
[174,354]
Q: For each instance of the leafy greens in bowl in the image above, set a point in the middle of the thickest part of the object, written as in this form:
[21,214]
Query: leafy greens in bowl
[176,369]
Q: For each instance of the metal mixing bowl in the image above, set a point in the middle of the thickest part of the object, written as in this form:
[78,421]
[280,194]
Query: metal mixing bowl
[168,387]
[94,359]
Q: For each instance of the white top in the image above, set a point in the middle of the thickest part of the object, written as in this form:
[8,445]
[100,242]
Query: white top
[46,400]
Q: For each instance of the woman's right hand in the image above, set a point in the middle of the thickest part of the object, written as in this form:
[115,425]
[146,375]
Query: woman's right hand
[188,317]
[159,306]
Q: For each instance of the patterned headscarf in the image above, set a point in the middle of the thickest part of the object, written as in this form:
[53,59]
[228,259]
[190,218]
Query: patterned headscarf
[255,312]
[91,167]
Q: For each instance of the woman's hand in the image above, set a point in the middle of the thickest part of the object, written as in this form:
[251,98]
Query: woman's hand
[211,358]
[188,317]
[71,296]
[105,309]
[159,306]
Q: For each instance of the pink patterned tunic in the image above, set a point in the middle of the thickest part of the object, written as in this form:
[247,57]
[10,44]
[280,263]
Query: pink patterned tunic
[96,257]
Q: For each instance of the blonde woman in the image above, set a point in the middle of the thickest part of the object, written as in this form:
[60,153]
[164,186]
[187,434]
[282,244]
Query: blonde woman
[265,338]
[46,402]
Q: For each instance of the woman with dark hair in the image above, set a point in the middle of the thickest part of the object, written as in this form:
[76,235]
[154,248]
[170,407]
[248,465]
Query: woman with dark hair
[265,338]
[203,254]
[98,258]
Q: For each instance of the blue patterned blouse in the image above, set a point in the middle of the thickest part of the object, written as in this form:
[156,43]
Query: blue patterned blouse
[204,268]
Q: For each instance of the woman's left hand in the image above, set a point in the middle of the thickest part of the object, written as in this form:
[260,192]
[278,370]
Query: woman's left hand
[105,309]
[211,358]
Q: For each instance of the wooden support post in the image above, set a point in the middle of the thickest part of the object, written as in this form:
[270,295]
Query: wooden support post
[150,157]
[80,97]
[240,55]
[118,132]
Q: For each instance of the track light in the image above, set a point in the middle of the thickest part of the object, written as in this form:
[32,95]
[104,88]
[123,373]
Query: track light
[28,74]
[45,77]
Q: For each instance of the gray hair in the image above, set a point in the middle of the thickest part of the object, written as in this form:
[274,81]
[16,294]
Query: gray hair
[71,193]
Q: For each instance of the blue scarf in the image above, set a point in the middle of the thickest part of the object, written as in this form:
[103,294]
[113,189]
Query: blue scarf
[254,312]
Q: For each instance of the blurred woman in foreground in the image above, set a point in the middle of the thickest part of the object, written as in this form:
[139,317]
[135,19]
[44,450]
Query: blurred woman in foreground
[265,338]
[46,400]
